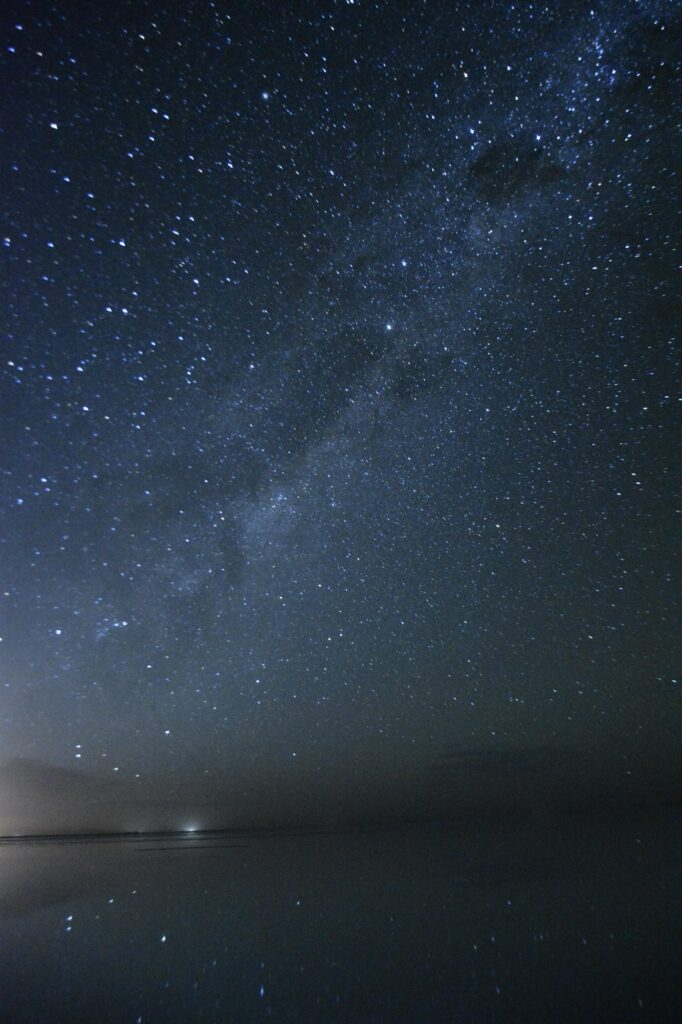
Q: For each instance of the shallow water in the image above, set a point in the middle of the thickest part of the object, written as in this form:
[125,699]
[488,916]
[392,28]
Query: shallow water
[571,920]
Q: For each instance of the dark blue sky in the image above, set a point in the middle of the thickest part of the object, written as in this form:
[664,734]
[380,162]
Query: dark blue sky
[338,399]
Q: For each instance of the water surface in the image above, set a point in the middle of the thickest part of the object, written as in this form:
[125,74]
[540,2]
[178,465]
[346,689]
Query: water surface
[568,920]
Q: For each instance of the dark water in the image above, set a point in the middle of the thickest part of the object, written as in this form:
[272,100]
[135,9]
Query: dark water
[572,920]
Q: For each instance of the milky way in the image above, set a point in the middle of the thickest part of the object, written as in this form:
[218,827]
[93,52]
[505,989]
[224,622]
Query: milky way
[338,393]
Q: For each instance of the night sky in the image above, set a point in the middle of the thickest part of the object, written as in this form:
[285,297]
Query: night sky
[338,408]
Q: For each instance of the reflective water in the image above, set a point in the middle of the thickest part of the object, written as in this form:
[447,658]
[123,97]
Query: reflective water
[571,920]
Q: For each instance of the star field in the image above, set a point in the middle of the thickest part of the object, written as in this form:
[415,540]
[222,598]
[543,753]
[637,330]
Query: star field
[338,392]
